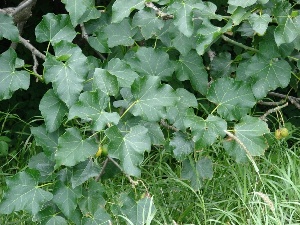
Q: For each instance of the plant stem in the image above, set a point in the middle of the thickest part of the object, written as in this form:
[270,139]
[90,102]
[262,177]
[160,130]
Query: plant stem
[239,44]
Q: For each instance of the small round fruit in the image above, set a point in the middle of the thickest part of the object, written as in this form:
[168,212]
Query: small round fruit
[104,150]
[278,134]
[99,152]
[284,132]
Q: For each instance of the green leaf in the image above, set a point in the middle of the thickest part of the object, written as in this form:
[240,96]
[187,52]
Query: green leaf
[260,22]
[266,75]
[190,67]
[92,198]
[99,42]
[129,147]
[73,149]
[234,98]
[205,131]
[67,77]
[120,33]
[83,171]
[105,82]
[249,131]
[99,217]
[183,16]
[139,213]
[152,62]
[155,133]
[243,4]
[53,110]
[121,10]
[239,15]
[66,197]
[221,65]
[182,145]
[42,163]
[3,148]
[92,106]
[148,22]
[54,220]
[48,141]
[176,114]
[288,29]
[55,28]
[24,194]
[10,78]
[197,171]
[125,75]
[151,98]
[7,28]
[207,10]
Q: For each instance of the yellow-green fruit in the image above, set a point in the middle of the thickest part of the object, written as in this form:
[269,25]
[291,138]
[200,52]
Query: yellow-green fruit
[284,132]
[104,150]
[278,134]
[99,152]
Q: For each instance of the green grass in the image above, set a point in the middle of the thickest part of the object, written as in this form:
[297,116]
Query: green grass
[236,195]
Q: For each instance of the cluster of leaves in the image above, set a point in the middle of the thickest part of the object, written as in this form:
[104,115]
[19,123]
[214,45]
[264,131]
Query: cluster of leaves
[170,75]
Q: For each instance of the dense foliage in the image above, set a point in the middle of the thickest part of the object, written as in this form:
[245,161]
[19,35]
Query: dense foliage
[115,81]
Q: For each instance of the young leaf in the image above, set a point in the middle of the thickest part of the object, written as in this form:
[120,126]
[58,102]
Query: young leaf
[148,22]
[7,28]
[125,75]
[10,78]
[53,110]
[73,149]
[250,132]
[129,148]
[55,28]
[190,67]
[152,62]
[121,10]
[182,146]
[120,33]
[205,132]
[197,171]
[67,77]
[92,106]
[234,98]
[66,198]
[151,98]
[267,75]
[24,194]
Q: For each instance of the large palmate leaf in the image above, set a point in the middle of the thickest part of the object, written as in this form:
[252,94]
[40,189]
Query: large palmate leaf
[190,67]
[182,145]
[266,75]
[120,34]
[73,149]
[7,28]
[148,22]
[196,172]
[24,194]
[129,147]
[67,77]
[92,106]
[10,78]
[55,28]
[176,114]
[121,10]
[249,131]
[105,82]
[66,197]
[125,75]
[205,131]
[152,62]
[151,98]
[234,98]
[53,110]
[183,16]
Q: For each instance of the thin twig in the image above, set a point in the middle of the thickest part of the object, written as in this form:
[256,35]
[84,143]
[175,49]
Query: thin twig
[271,103]
[245,148]
[32,48]
[166,125]
[85,36]
[263,117]
[295,101]
[102,170]
[239,44]
[21,7]
[133,182]
[159,13]
[35,66]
